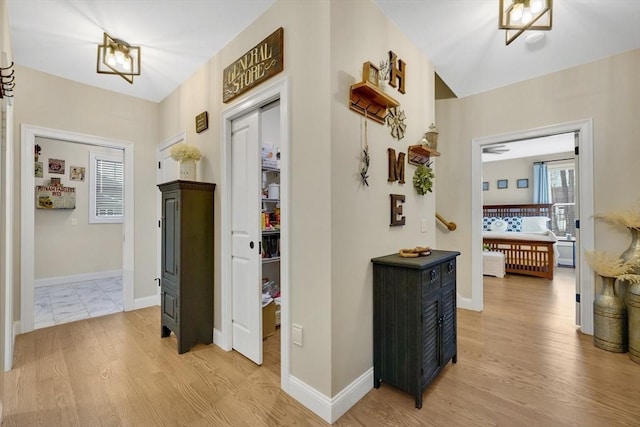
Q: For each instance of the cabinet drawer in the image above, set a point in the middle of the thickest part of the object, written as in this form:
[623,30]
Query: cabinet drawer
[448,272]
[430,280]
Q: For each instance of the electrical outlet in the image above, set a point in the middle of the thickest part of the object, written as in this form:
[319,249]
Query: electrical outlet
[296,334]
[424,225]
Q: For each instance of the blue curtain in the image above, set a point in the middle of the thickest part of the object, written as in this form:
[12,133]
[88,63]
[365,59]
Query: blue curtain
[541,184]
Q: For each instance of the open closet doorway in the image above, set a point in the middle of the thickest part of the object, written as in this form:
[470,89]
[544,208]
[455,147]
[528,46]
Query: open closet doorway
[31,136]
[255,228]
[583,202]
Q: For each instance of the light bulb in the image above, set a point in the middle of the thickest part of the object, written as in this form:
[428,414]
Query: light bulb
[516,12]
[111,59]
[126,65]
[526,16]
[119,57]
[536,5]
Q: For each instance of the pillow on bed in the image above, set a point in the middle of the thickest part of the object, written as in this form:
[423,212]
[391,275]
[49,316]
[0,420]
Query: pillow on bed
[499,225]
[514,223]
[534,224]
[487,221]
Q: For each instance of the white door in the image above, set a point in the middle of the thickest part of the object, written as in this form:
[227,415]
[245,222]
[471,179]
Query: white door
[576,244]
[245,237]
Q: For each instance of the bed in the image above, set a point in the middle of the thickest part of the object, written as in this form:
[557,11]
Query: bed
[529,247]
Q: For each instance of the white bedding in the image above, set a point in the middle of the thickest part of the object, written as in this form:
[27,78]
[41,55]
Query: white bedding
[540,236]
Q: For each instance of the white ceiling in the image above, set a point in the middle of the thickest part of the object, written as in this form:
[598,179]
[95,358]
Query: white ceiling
[460,37]
[537,148]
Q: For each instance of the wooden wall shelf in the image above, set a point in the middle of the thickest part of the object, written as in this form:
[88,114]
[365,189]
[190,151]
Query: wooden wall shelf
[419,154]
[366,96]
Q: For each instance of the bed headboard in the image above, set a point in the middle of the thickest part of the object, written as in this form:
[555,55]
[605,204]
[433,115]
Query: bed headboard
[502,211]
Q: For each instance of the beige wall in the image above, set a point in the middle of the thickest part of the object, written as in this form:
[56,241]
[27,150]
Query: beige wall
[606,91]
[65,249]
[306,45]
[61,104]
[360,215]
[512,170]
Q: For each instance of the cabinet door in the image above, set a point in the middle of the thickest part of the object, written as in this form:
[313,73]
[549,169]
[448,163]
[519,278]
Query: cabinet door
[169,306]
[170,239]
[430,336]
[448,305]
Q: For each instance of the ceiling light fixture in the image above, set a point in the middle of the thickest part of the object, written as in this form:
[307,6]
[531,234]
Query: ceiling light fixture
[518,16]
[118,57]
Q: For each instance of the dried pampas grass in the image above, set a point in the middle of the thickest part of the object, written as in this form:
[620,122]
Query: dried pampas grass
[629,218]
[633,278]
[608,265]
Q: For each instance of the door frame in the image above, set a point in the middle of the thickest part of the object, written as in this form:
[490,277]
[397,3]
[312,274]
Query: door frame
[223,338]
[29,133]
[7,160]
[584,163]
[179,137]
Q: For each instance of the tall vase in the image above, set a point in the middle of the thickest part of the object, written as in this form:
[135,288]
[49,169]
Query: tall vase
[632,299]
[609,319]
[188,170]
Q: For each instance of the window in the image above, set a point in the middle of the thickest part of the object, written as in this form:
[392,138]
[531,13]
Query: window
[106,193]
[563,189]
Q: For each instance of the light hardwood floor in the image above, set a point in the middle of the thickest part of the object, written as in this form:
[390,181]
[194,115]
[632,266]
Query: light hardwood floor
[520,363]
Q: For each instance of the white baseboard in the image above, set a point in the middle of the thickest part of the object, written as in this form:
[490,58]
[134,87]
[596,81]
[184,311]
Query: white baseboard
[330,409]
[218,339]
[145,302]
[50,281]
[466,303]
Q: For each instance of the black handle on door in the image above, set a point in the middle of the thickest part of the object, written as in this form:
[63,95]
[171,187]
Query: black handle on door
[251,245]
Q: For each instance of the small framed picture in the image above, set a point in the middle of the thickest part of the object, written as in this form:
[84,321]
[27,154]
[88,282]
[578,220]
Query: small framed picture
[56,166]
[55,182]
[76,173]
[502,183]
[370,73]
[485,186]
[38,171]
[523,183]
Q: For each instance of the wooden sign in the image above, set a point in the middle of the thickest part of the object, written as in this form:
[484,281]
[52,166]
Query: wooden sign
[202,122]
[396,167]
[259,64]
[397,72]
[396,210]
[55,197]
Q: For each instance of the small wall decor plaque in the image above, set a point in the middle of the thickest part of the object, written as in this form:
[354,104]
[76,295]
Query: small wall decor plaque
[502,184]
[395,120]
[38,170]
[56,166]
[396,167]
[202,122]
[523,183]
[76,173]
[485,186]
[396,210]
[55,197]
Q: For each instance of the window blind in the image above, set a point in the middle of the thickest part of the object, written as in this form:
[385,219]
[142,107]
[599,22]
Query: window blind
[109,188]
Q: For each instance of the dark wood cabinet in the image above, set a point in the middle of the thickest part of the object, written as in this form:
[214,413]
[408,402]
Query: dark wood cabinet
[414,319]
[186,301]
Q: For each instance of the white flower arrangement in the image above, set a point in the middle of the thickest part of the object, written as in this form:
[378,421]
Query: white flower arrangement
[182,151]
[629,218]
[608,265]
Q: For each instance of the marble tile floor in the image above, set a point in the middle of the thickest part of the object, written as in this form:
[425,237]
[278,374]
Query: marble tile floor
[57,304]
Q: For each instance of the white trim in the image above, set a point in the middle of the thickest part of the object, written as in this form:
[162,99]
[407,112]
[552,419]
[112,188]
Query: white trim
[465,303]
[9,235]
[61,280]
[29,134]
[16,329]
[218,339]
[279,89]
[586,209]
[331,409]
[179,137]
[144,302]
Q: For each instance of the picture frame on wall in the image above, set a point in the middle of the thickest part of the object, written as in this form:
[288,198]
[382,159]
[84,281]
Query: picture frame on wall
[56,166]
[38,170]
[523,183]
[76,173]
[485,186]
[502,184]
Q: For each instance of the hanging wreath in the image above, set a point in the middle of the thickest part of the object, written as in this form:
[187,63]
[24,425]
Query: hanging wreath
[395,120]
[423,179]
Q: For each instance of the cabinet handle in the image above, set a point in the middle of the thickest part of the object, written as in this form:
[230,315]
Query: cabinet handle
[433,274]
[157,279]
[450,267]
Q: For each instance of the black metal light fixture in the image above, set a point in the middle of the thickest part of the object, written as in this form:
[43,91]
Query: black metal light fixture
[518,16]
[118,57]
